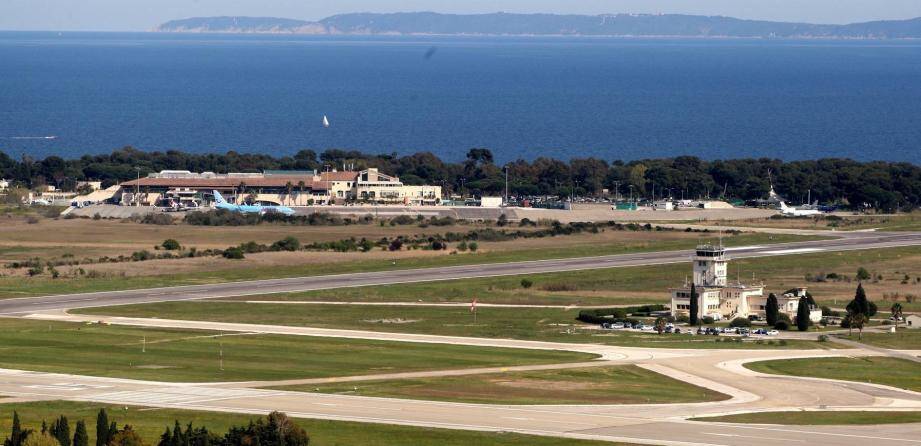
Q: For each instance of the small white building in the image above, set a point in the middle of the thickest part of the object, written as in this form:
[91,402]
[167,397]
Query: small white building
[913,321]
[720,299]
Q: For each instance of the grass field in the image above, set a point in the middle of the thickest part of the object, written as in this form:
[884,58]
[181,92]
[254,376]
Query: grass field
[901,222]
[150,423]
[904,339]
[544,324]
[627,384]
[818,418]
[650,284]
[877,370]
[199,270]
[184,355]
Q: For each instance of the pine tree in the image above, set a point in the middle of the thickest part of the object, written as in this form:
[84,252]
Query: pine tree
[694,306]
[802,314]
[102,428]
[771,310]
[860,304]
[80,436]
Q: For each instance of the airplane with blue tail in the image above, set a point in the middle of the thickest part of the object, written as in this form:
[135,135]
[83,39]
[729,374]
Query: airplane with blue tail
[221,203]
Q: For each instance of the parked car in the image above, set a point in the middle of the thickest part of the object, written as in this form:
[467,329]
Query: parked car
[617,325]
[773,333]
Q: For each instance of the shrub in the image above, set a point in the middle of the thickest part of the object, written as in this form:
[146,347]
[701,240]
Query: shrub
[142,255]
[740,322]
[402,220]
[31,219]
[823,338]
[782,325]
[159,219]
[473,246]
[286,244]
[863,274]
[462,246]
[170,244]
[558,287]
[707,320]
[684,319]
[395,245]
[526,283]
[233,253]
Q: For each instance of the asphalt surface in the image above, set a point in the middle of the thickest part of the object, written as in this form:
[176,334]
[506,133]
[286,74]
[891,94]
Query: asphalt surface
[847,241]
[663,424]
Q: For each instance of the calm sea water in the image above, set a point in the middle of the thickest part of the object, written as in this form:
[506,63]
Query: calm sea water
[521,97]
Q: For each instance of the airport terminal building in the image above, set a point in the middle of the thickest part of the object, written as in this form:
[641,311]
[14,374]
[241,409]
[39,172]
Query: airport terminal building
[286,188]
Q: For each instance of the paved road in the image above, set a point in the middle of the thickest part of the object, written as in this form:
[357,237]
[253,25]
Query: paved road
[848,241]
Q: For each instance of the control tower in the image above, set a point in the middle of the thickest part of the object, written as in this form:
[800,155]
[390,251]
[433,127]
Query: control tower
[710,266]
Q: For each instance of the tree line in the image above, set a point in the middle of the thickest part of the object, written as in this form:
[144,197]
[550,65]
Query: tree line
[882,185]
[276,429]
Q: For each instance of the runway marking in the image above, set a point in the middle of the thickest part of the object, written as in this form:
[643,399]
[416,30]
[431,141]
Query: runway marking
[750,436]
[794,251]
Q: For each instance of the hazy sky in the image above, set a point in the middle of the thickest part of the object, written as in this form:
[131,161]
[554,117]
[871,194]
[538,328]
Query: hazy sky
[145,14]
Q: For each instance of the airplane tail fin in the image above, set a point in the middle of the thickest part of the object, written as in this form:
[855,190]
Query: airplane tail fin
[218,198]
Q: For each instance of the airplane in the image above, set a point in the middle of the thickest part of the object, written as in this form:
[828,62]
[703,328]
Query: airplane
[221,203]
[794,212]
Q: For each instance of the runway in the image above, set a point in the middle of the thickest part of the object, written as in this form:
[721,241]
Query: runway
[660,424]
[846,241]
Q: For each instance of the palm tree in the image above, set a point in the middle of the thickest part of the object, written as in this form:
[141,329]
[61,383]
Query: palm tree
[288,189]
[896,313]
[300,188]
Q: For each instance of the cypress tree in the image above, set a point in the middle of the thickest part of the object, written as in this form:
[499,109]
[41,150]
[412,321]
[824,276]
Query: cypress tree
[60,430]
[102,428]
[113,429]
[80,436]
[802,314]
[17,434]
[694,306]
[771,310]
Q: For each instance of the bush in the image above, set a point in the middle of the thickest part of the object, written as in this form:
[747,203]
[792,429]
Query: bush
[286,244]
[158,219]
[525,283]
[782,325]
[707,320]
[823,338]
[558,287]
[234,253]
[170,244]
[740,322]
[684,319]
[473,246]
[863,274]
[462,246]
[402,220]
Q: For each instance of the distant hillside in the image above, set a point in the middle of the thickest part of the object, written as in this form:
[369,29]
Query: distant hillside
[546,25]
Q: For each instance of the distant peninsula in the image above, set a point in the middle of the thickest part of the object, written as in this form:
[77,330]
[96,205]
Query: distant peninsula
[505,24]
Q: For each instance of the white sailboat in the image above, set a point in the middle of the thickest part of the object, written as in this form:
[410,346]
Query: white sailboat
[325,121]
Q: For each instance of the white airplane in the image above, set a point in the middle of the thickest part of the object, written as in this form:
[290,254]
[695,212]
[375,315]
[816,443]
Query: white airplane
[794,212]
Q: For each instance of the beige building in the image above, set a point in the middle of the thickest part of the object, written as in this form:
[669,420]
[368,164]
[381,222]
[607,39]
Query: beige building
[721,299]
[289,188]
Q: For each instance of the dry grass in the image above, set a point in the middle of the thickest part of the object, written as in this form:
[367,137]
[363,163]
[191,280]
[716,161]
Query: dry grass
[81,238]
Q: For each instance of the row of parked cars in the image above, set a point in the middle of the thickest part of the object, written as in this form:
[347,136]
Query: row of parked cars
[669,328]
[736,330]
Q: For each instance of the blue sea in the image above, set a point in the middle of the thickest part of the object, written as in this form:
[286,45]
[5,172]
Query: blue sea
[520,97]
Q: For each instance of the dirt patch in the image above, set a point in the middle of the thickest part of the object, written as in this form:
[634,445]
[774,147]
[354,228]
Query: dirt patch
[543,385]
[398,320]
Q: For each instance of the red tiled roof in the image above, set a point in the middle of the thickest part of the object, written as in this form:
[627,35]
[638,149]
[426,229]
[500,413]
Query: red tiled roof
[204,183]
[339,176]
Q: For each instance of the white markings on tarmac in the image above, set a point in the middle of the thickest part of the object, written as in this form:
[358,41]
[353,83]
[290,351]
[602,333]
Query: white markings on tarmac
[750,436]
[180,395]
[794,251]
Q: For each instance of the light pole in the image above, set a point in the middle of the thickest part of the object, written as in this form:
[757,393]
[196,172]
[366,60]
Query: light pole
[137,187]
[506,184]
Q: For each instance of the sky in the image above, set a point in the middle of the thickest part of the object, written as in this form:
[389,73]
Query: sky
[142,15]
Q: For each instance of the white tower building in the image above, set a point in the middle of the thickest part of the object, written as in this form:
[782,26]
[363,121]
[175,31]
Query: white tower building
[710,266]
